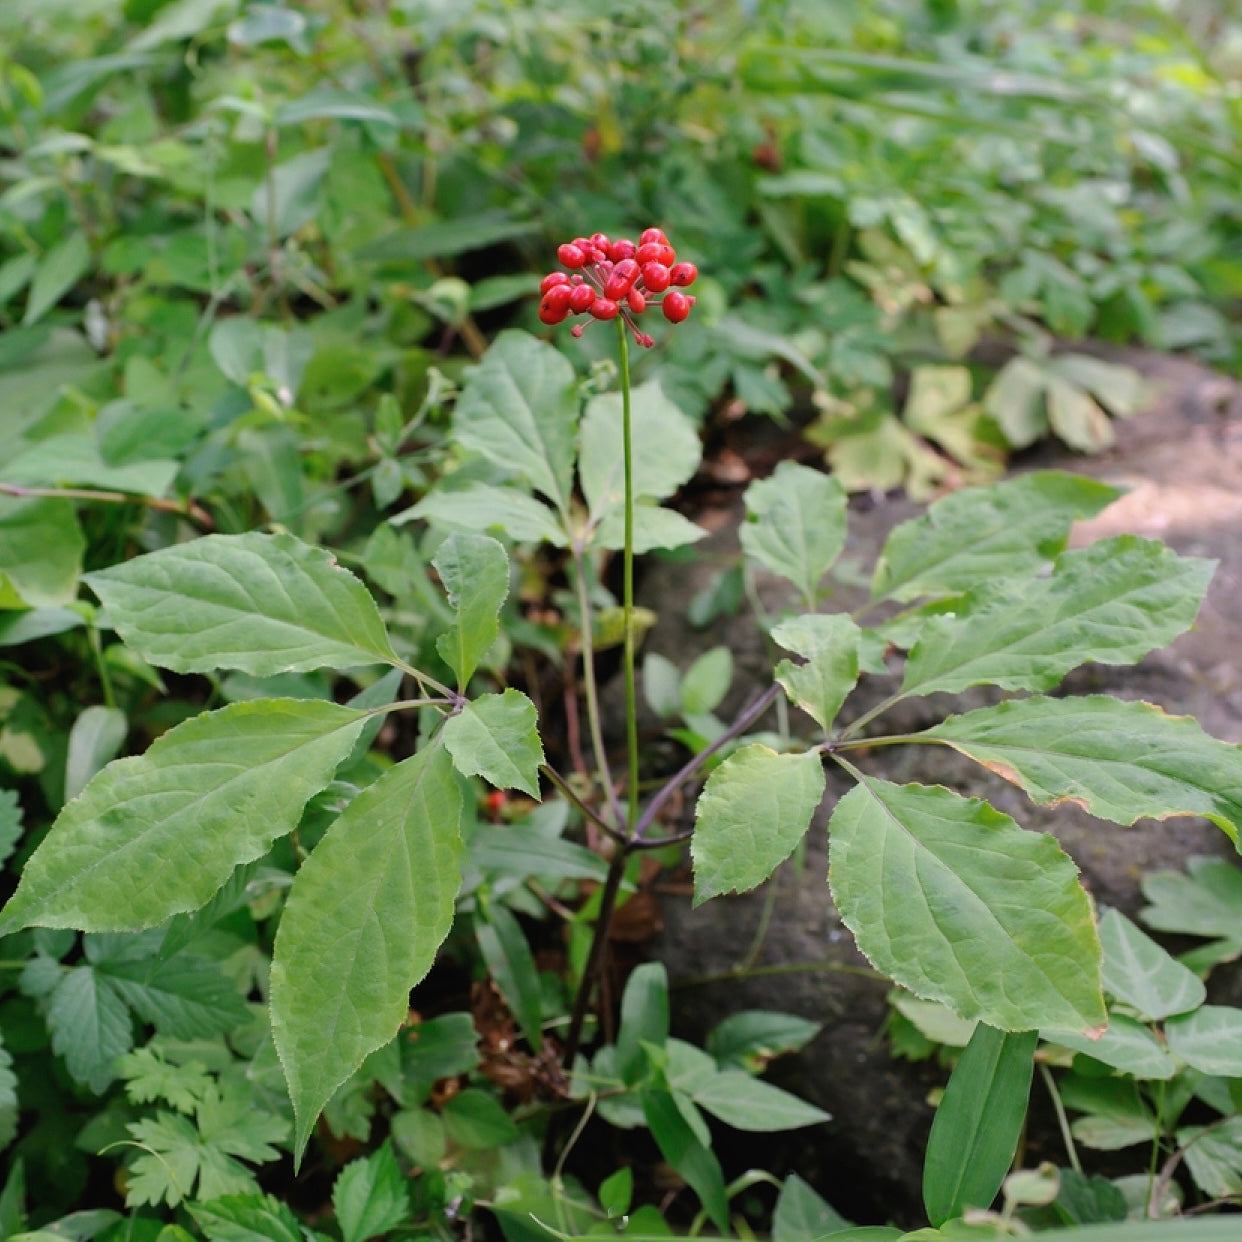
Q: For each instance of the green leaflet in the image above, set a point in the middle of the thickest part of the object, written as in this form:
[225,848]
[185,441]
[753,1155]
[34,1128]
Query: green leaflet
[971,538]
[512,965]
[158,834]
[475,572]
[829,645]
[1142,974]
[753,811]
[1127,1045]
[1121,760]
[795,524]
[365,917]
[495,737]
[371,1196]
[519,409]
[41,546]
[977,1126]
[1112,602]
[683,1150]
[263,604]
[481,507]
[958,904]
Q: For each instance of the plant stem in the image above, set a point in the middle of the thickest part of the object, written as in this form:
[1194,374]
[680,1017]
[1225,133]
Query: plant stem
[627,597]
[182,508]
[570,796]
[1062,1120]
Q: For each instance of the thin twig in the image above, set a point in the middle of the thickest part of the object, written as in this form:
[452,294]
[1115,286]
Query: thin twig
[188,509]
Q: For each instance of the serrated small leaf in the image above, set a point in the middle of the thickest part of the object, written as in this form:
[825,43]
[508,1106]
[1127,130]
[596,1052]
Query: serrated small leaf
[496,737]
[519,409]
[475,572]
[1209,1039]
[1112,603]
[183,997]
[753,811]
[246,1218]
[665,448]
[480,507]
[829,644]
[1141,974]
[263,604]
[955,902]
[1121,760]
[972,537]
[1213,1154]
[365,917]
[975,1132]
[158,834]
[746,1103]
[795,524]
[370,1196]
[90,1026]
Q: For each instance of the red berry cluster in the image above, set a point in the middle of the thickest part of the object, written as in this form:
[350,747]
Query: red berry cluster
[618,279]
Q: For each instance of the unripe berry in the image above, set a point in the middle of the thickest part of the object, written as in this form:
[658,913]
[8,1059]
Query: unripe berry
[604,308]
[581,298]
[683,274]
[622,248]
[676,306]
[656,277]
[621,280]
[571,255]
[552,279]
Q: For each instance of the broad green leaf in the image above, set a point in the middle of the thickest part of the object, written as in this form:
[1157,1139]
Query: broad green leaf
[829,645]
[90,1026]
[1112,603]
[365,917]
[419,1133]
[666,448]
[1076,418]
[74,459]
[94,740]
[495,737]
[371,1197]
[1209,1039]
[1205,902]
[1015,400]
[1141,974]
[263,604]
[1121,760]
[519,409]
[30,624]
[751,1038]
[246,1218]
[1126,1045]
[683,1150]
[439,1048]
[475,572]
[184,997]
[1213,1154]
[705,683]
[978,1123]
[801,1215]
[616,1192]
[972,537]
[795,524]
[644,1018]
[654,527]
[958,904]
[518,851]
[475,1120]
[753,811]
[59,270]
[158,834]
[507,956]
[41,546]
[746,1103]
[480,507]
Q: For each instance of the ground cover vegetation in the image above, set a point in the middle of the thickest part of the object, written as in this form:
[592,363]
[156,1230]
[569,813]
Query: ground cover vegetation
[319,521]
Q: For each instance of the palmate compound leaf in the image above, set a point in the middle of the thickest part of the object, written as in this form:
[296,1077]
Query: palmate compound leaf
[160,833]
[753,811]
[958,904]
[1120,760]
[974,536]
[263,604]
[366,914]
[1112,603]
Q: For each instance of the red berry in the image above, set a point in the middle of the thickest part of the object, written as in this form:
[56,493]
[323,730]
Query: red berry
[622,248]
[676,306]
[621,280]
[581,298]
[637,303]
[552,279]
[683,274]
[600,241]
[605,308]
[652,235]
[656,277]
[554,305]
[571,255]
[656,252]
